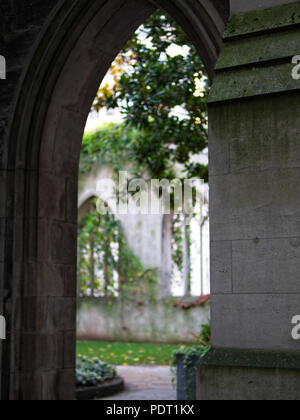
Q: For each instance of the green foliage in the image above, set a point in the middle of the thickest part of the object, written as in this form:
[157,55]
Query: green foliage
[91,372]
[203,345]
[164,96]
[204,339]
[98,241]
[190,353]
[177,242]
[111,144]
[107,266]
[203,342]
[178,238]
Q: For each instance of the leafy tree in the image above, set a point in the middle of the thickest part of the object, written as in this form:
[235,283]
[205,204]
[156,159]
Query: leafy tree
[161,86]
[110,144]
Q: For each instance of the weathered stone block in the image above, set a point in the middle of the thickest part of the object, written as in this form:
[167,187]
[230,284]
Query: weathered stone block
[61,314]
[50,279]
[254,321]
[68,144]
[264,266]
[264,136]
[72,200]
[255,205]
[35,315]
[52,197]
[69,349]
[263,15]
[221,263]
[30,387]
[231,375]
[70,289]
[64,243]
[39,240]
[58,385]
[42,352]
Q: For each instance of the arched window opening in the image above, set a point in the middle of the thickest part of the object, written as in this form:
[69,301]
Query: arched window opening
[149,122]
[185,255]
[99,241]
[151,110]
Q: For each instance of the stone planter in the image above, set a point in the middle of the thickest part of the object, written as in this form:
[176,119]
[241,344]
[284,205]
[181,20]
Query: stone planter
[186,377]
[109,388]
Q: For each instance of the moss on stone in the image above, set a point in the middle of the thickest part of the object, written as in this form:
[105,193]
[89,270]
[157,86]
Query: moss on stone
[256,57]
[253,81]
[263,20]
[252,358]
[260,49]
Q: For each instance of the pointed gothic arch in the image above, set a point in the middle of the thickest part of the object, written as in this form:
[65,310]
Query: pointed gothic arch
[72,53]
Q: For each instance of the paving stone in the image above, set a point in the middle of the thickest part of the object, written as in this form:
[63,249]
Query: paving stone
[146,383]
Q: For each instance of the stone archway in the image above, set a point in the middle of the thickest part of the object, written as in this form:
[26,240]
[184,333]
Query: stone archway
[73,51]
[254,150]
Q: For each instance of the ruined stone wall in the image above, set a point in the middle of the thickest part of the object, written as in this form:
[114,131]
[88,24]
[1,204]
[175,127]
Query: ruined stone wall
[164,321]
[140,230]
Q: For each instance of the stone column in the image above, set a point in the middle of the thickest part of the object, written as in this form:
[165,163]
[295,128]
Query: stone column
[166,266]
[254,140]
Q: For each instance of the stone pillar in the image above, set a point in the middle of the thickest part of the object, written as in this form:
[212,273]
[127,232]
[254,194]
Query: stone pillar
[166,265]
[254,140]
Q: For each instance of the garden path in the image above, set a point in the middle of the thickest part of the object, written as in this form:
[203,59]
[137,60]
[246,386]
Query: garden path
[146,383]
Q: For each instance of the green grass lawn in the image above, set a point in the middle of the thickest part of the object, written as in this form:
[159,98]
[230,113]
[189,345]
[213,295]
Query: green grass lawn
[128,354]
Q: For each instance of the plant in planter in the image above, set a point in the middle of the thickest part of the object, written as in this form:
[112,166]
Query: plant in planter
[185,363]
[91,372]
[96,379]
